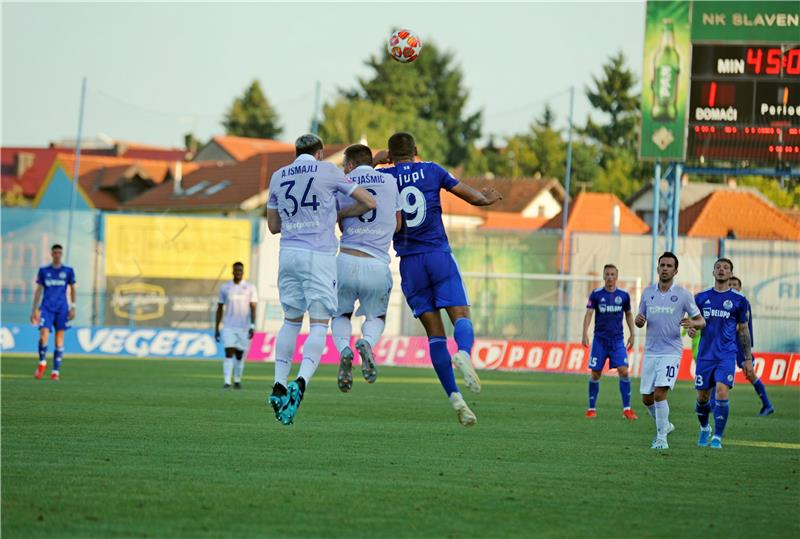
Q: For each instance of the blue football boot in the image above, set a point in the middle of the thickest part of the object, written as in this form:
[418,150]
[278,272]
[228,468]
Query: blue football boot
[705,435]
[294,398]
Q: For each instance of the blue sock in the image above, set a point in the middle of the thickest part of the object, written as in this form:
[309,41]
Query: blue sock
[464,334]
[712,401]
[625,391]
[42,353]
[720,417]
[58,355]
[442,364]
[758,385]
[703,410]
[594,390]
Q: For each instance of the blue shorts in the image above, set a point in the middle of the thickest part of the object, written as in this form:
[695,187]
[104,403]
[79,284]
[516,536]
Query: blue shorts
[708,373]
[614,351]
[432,281]
[54,319]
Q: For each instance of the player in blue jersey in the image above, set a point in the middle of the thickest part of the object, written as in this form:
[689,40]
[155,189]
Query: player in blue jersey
[766,406]
[430,278]
[726,313]
[611,304]
[53,307]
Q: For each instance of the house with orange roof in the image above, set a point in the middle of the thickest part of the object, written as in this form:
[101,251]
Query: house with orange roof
[739,215]
[230,149]
[599,212]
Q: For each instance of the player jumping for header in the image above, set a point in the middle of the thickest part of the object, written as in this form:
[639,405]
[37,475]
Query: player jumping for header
[302,209]
[363,264]
[429,273]
[611,304]
[55,287]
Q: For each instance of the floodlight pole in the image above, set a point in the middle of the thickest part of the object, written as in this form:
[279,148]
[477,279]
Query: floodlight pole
[76,170]
[315,116]
[565,216]
[656,218]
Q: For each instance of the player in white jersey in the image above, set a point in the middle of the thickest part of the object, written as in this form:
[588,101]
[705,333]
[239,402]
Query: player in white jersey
[239,298]
[302,209]
[662,309]
[363,264]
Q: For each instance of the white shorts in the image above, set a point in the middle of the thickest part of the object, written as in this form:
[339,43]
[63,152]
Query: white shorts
[307,283]
[658,371]
[367,280]
[235,338]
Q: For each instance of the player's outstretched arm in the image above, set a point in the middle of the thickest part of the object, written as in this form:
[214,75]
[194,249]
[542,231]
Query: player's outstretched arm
[485,197]
[273,221]
[364,203]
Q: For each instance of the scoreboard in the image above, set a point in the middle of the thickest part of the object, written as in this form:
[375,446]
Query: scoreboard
[744,103]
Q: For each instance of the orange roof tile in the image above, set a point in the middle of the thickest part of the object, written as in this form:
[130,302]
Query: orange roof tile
[592,212]
[243,148]
[735,212]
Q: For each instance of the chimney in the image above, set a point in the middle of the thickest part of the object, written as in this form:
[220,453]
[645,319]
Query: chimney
[730,181]
[177,179]
[615,219]
[23,161]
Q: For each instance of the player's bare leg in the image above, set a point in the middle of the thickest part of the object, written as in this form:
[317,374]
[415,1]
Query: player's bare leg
[442,364]
[465,337]
[44,338]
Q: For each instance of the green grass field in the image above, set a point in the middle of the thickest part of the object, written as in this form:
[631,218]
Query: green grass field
[156,448]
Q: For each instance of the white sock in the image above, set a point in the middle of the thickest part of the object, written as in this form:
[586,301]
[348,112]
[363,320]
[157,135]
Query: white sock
[238,369]
[662,419]
[651,409]
[312,351]
[342,329]
[372,330]
[227,369]
[285,344]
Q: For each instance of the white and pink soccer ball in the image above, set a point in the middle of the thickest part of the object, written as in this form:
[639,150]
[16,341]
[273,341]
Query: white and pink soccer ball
[404,46]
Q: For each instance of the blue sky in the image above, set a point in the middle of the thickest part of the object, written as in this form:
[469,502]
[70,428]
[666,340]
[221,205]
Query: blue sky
[158,70]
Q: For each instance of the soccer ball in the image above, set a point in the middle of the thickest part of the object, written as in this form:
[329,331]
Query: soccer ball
[404,46]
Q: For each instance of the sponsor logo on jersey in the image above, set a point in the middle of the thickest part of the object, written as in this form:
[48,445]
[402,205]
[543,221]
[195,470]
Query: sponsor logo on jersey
[715,313]
[657,309]
[610,308]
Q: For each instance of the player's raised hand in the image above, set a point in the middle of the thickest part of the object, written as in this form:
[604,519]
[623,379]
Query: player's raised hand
[640,320]
[492,195]
[585,341]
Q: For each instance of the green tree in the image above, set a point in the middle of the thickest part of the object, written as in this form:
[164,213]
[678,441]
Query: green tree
[617,174]
[613,95]
[431,88]
[251,115]
[585,165]
[771,188]
[347,121]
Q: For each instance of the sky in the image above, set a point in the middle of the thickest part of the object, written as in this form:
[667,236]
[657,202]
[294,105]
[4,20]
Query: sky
[156,71]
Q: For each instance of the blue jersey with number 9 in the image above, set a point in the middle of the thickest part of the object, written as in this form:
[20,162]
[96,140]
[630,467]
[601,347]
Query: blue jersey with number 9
[419,184]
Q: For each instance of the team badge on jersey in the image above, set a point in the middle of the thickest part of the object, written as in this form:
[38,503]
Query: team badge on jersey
[728,304]
[673,299]
[62,275]
[618,300]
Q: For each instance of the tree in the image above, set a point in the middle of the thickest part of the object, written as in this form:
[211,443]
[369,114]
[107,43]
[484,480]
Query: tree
[771,188]
[617,174]
[613,95]
[346,121]
[432,89]
[252,115]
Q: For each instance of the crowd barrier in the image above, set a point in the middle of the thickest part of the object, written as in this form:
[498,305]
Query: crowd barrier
[772,368]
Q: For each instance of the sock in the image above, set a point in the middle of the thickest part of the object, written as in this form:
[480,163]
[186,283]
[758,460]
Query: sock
[342,329]
[662,418]
[651,409]
[720,417]
[761,391]
[58,355]
[712,401]
[372,330]
[42,354]
[227,369]
[625,391]
[238,369]
[464,334]
[312,351]
[703,409]
[594,390]
[285,344]
[443,364]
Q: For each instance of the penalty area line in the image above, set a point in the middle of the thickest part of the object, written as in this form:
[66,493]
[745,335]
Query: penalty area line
[756,443]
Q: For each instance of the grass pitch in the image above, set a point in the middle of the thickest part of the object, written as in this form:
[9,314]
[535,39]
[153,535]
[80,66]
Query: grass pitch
[156,448]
